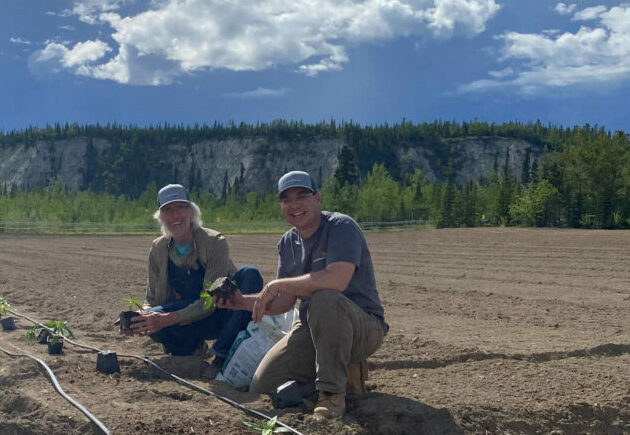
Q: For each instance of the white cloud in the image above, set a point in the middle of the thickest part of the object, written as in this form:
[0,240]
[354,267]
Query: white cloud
[471,16]
[176,37]
[89,10]
[551,32]
[77,59]
[64,13]
[19,40]
[259,93]
[589,13]
[591,57]
[85,52]
[564,9]
[507,72]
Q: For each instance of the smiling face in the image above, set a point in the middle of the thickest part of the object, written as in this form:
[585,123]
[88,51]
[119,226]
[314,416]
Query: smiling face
[176,218]
[302,209]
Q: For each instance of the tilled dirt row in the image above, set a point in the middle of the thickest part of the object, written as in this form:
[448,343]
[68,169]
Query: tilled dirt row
[492,330]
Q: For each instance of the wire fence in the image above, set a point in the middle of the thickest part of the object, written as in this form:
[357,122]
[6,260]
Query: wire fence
[75,227]
[393,225]
[153,227]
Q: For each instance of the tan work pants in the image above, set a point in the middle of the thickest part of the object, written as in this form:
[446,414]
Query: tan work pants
[316,354]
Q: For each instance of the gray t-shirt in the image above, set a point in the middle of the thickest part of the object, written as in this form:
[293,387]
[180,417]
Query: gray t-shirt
[338,238]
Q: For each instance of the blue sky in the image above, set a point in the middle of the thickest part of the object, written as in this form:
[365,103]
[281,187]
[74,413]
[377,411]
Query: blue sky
[371,61]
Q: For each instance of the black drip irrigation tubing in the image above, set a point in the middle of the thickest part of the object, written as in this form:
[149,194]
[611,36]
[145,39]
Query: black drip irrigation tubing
[60,390]
[176,378]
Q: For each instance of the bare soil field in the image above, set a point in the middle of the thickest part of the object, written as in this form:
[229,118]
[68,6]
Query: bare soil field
[493,330]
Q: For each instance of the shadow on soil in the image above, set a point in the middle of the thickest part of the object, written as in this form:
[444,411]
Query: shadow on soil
[379,413]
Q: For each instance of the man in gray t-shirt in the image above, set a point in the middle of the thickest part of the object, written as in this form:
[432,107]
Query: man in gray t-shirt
[325,262]
[338,238]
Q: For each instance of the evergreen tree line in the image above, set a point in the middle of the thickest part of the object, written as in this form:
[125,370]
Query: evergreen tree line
[581,181]
[370,137]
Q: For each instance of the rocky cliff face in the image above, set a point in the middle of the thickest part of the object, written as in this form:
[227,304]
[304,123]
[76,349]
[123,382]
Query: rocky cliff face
[206,163]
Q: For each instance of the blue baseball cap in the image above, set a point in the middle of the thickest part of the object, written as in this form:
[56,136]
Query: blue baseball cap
[296,179]
[171,193]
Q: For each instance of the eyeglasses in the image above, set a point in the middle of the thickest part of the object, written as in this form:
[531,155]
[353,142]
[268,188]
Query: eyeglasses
[174,209]
[299,199]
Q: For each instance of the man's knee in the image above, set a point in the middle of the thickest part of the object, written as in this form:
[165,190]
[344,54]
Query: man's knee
[325,299]
[248,279]
[259,386]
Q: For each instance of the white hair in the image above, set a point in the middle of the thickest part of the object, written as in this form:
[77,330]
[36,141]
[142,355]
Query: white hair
[195,219]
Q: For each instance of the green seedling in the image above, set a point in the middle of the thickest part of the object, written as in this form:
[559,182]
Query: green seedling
[59,330]
[134,304]
[32,332]
[266,428]
[207,300]
[207,297]
[38,333]
[4,304]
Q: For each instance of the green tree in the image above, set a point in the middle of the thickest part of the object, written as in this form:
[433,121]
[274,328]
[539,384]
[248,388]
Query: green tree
[505,191]
[526,167]
[336,197]
[469,205]
[347,172]
[536,205]
[378,199]
[596,178]
[447,201]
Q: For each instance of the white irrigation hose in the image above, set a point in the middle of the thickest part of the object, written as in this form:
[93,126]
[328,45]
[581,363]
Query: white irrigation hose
[177,379]
[60,390]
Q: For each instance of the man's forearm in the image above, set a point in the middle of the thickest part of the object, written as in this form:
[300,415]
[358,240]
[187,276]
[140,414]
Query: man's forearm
[336,276]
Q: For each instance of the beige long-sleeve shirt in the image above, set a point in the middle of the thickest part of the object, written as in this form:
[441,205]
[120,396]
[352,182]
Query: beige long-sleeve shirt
[210,248]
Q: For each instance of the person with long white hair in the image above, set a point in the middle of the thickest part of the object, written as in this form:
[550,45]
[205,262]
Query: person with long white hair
[181,261]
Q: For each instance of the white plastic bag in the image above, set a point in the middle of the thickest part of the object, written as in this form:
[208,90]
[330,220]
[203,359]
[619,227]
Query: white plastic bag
[283,322]
[251,345]
[248,350]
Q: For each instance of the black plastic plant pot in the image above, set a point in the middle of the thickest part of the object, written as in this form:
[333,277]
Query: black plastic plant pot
[125,319]
[55,346]
[107,362]
[8,323]
[42,336]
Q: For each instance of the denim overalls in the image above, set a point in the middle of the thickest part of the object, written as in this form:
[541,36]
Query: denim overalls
[222,325]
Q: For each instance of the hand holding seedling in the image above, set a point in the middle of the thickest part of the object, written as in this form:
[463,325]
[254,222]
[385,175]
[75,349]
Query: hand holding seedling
[236,302]
[222,289]
[221,293]
[124,320]
[152,322]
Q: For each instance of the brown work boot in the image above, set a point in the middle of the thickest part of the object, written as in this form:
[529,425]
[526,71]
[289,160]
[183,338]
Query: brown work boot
[330,405]
[357,375]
